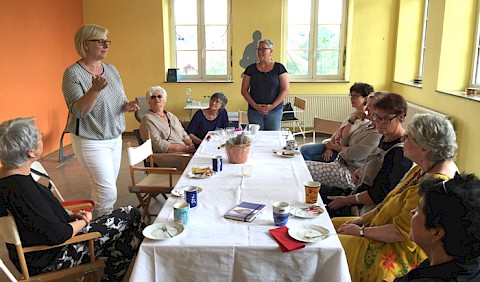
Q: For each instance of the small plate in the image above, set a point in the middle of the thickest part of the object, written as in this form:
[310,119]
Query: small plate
[306,210]
[299,232]
[287,153]
[200,176]
[180,190]
[155,231]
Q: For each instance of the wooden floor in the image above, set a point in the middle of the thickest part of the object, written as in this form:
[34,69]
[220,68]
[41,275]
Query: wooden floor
[72,182]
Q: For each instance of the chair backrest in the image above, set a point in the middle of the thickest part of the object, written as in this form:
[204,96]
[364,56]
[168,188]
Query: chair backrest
[325,126]
[39,167]
[242,118]
[299,103]
[140,153]
[144,108]
[8,230]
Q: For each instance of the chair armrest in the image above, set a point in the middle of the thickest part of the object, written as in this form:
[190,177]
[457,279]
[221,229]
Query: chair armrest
[75,239]
[178,155]
[158,170]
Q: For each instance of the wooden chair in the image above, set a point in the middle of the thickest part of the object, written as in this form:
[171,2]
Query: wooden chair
[242,118]
[157,180]
[325,126]
[9,234]
[38,171]
[298,120]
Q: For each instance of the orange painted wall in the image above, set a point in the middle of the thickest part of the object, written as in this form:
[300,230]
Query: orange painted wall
[35,49]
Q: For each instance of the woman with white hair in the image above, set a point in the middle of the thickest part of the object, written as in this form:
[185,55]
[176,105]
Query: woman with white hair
[265,85]
[203,121]
[165,129]
[96,102]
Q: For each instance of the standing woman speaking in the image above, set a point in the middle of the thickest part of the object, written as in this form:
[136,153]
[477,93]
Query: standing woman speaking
[96,102]
[265,85]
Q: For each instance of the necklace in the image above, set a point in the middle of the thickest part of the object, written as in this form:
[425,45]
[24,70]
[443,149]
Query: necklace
[164,113]
[413,180]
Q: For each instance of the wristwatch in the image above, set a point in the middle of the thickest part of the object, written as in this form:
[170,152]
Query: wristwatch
[361,231]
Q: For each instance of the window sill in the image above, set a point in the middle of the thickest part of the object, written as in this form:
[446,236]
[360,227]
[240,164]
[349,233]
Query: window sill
[409,83]
[460,94]
[201,81]
[318,81]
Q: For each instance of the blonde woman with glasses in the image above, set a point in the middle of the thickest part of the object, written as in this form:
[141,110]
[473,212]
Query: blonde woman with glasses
[96,102]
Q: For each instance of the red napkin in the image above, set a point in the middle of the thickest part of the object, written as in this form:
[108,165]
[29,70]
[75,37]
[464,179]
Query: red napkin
[284,240]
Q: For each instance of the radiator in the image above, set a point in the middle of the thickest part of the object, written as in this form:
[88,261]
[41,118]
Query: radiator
[338,107]
[331,107]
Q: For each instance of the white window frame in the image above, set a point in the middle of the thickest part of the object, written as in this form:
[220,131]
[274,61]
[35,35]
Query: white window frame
[313,45]
[476,51]
[424,39]
[201,45]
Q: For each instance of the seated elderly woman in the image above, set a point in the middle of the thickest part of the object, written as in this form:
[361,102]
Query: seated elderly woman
[327,151]
[446,225]
[164,128]
[384,168]
[215,116]
[377,243]
[353,151]
[42,220]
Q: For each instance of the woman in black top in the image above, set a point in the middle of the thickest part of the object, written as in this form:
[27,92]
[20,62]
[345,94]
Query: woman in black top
[41,219]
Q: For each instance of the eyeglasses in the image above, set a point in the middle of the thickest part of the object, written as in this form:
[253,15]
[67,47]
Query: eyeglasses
[216,101]
[384,120]
[263,49]
[157,96]
[101,42]
[354,96]
[406,136]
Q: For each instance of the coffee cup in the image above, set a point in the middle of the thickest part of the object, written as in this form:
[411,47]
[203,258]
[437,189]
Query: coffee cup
[181,213]
[217,163]
[281,212]
[253,128]
[291,145]
[312,188]
[191,194]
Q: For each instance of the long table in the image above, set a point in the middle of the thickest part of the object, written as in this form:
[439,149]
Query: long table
[213,248]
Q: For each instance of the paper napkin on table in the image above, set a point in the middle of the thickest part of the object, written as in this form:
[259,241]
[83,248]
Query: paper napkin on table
[284,240]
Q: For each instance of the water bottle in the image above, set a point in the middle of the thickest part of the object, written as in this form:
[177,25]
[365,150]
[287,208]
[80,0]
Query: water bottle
[189,95]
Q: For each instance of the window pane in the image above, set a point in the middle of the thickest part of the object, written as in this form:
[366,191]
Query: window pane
[327,62]
[187,62]
[186,37]
[216,37]
[297,62]
[298,36]
[299,12]
[185,11]
[477,74]
[216,62]
[215,12]
[328,37]
[329,12]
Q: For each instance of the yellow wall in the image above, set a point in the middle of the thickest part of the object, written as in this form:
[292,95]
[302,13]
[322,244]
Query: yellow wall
[139,41]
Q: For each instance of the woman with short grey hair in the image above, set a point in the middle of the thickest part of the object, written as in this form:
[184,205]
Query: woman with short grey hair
[215,116]
[42,220]
[265,85]
[435,135]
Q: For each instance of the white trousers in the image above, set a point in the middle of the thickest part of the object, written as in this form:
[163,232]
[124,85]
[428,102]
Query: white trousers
[101,159]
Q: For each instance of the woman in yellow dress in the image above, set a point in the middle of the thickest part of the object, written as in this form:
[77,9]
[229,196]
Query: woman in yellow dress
[377,244]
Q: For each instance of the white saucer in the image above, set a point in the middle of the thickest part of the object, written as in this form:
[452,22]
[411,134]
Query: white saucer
[200,176]
[155,231]
[287,153]
[180,190]
[306,210]
[299,232]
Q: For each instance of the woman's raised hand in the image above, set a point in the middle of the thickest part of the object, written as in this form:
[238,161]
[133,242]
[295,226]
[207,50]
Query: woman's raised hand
[99,82]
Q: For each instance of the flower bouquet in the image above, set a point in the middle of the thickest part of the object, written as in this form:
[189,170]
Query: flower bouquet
[238,148]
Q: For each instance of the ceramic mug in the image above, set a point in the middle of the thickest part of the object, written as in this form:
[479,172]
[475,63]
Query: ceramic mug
[181,213]
[253,128]
[291,145]
[281,212]
[191,196]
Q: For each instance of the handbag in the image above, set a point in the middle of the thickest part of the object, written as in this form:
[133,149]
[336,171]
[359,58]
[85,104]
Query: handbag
[288,113]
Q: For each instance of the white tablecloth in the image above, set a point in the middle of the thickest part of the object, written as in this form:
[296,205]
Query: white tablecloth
[213,248]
